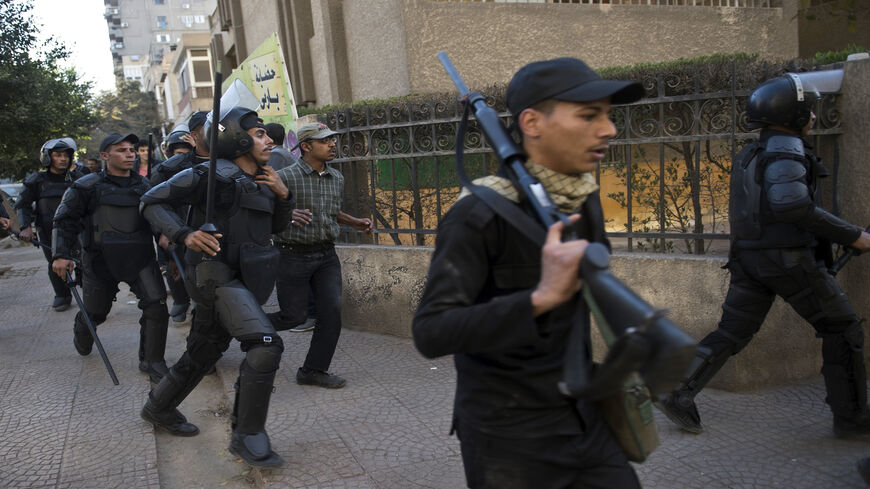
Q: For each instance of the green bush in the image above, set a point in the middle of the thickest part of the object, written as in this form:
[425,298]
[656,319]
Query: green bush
[837,56]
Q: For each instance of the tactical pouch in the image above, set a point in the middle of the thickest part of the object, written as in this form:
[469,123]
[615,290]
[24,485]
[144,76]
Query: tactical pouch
[126,255]
[259,267]
[628,412]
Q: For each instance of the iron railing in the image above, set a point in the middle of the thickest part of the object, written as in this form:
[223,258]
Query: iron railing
[664,184]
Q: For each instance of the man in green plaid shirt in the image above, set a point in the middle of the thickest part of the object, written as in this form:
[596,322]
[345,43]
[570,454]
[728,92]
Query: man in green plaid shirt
[308,256]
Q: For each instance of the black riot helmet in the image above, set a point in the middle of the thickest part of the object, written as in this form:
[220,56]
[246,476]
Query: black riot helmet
[61,144]
[233,139]
[785,101]
[174,140]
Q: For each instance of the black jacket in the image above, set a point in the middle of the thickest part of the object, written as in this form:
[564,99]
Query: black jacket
[44,189]
[477,306]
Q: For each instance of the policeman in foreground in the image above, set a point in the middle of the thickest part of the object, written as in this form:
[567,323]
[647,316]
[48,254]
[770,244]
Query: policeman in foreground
[780,244]
[229,275]
[118,247]
[505,307]
[45,189]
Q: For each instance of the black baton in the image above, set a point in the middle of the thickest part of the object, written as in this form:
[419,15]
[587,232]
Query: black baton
[72,287]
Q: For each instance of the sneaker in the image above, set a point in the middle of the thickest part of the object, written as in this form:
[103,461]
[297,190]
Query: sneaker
[680,408]
[308,325]
[61,303]
[178,313]
[83,342]
[255,450]
[172,421]
[308,376]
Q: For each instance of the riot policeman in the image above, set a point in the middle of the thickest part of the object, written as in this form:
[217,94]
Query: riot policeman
[118,247]
[178,141]
[45,189]
[163,172]
[780,245]
[228,279]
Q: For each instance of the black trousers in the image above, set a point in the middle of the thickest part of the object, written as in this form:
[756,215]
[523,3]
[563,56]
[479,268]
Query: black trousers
[757,277]
[99,289]
[591,460]
[57,283]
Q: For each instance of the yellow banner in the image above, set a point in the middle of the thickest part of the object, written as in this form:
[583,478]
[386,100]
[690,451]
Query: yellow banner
[265,74]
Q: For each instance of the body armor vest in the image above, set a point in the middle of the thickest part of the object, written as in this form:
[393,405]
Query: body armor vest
[744,209]
[243,215]
[753,222]
[50,194]
[118,231]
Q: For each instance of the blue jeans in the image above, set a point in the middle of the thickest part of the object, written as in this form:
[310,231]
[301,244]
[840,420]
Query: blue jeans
[301,273]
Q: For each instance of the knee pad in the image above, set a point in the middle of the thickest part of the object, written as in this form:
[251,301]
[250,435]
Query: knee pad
[854,335]
[264,358]
[155,311]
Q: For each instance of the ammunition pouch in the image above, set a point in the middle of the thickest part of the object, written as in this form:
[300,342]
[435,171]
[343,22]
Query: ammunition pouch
[259,269]
[126,254]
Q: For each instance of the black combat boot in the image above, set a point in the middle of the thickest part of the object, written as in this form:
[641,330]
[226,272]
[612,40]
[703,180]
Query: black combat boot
[160,409]
[82,338]
[679,405]
[250,441]
[152,342]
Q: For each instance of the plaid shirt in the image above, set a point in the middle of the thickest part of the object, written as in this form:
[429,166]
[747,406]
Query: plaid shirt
[320,193]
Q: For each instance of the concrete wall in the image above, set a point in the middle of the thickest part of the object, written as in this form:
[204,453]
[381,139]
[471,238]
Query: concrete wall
[378,67]
[383,286]
[854,180]
[489,42]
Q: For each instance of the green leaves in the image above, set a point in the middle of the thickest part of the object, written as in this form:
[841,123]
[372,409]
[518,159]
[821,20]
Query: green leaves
[39,100]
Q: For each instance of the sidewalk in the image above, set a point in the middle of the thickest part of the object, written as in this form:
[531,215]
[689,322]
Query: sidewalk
[64,425]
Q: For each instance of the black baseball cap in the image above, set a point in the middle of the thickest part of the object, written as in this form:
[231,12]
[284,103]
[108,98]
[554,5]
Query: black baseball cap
[567,79]
[116,138]
[196,119]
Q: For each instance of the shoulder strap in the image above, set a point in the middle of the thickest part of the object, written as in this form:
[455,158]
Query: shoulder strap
[511,213]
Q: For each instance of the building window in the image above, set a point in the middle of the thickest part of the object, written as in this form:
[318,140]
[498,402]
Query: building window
[159,2]
[199,19]
[183,81]
[162,37]
[161,22]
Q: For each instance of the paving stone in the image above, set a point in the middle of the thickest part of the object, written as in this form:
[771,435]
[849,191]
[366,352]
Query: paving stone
[64,425]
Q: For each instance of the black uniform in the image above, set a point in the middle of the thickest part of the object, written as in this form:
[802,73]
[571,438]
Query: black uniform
[118,247]
[228,292]
[516,429]
[781,246]
[45,189]
[159,174]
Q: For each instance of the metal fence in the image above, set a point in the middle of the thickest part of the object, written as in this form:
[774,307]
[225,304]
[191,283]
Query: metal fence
[664,184]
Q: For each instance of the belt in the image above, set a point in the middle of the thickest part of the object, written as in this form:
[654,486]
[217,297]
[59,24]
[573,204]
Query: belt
[305,248]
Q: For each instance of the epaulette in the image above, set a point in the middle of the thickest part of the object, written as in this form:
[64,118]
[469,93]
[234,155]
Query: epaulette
[791,145]
[88,180]
[32,178]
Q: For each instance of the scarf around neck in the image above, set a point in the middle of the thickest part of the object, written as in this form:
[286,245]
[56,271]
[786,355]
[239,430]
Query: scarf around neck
[567,191]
